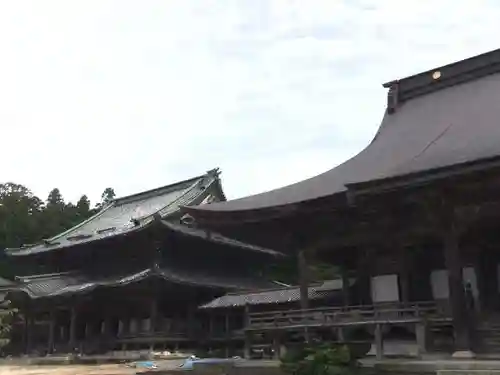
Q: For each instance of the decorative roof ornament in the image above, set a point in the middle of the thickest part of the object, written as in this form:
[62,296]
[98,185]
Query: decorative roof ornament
[393,97]
[214,172]
[187,220]
[209,199]
[436,75]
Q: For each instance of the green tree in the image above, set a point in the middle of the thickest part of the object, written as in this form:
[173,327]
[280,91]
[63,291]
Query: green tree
[19,213]
[55,215]
[55,199]
[107,196]
[83,206]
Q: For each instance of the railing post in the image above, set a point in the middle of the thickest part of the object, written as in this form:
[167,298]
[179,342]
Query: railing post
[421,336]
[379,342]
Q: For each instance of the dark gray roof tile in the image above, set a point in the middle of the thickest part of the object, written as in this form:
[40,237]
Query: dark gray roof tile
[73,283]
[128,214]
[280,295]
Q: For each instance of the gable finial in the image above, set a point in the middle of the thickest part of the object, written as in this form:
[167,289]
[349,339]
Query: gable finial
[214,172]
[393,97]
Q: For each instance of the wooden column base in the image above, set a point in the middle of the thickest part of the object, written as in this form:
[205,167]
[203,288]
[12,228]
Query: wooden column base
[421,332]
[247,348]
[463,354]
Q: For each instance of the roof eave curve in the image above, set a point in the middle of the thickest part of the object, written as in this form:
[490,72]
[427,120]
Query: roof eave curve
[438,122]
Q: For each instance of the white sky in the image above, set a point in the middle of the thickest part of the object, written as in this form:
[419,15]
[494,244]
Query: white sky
[139,94]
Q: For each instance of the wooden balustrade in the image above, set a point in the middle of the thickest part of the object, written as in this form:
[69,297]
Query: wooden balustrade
[391,313]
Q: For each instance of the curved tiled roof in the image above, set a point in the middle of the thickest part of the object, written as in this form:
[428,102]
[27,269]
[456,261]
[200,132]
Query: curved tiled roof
[278,295]
[129,214]
[442,118]
[66,284]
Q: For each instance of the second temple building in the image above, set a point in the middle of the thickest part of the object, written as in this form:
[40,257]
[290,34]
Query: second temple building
[133,276]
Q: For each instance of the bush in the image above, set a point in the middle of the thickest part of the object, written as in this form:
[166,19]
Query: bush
[323,359]
[7,315]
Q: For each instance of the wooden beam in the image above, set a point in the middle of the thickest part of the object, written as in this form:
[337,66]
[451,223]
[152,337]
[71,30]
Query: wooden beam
[52,326]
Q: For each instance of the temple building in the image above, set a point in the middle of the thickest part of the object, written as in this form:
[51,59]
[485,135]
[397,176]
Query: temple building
[413,217]
[132,277]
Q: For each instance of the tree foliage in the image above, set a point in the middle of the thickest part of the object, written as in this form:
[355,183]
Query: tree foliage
[26,219]
[7,316]
[107,196]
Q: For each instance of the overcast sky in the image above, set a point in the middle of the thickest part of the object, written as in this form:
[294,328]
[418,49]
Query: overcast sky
[139,94]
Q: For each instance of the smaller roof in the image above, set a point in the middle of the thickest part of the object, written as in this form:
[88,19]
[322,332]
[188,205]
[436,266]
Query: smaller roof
[70,283]
[131,213]
[272,296]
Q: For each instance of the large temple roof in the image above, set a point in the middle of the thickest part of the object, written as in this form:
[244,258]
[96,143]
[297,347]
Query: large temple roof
[446,117]
[132,213]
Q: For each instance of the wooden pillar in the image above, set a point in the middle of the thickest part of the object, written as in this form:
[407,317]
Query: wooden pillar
[153,316]
[276,346]
[379,342]
[210,325]
[421,336]
[247,350]
[52,326]
[346,290]
[303,278]
[125,326]
[364,272]
[340,334]
[227,325]
[404,276]
[28,328]
[191,328]
[303,285]
[456,287]
[248,337]
[72,327]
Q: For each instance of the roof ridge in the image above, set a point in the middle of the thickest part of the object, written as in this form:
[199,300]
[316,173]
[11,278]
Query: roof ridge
[441,77]
[145,192]
[481,56]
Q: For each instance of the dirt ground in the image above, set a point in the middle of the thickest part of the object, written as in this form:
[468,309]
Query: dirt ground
[67,370]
